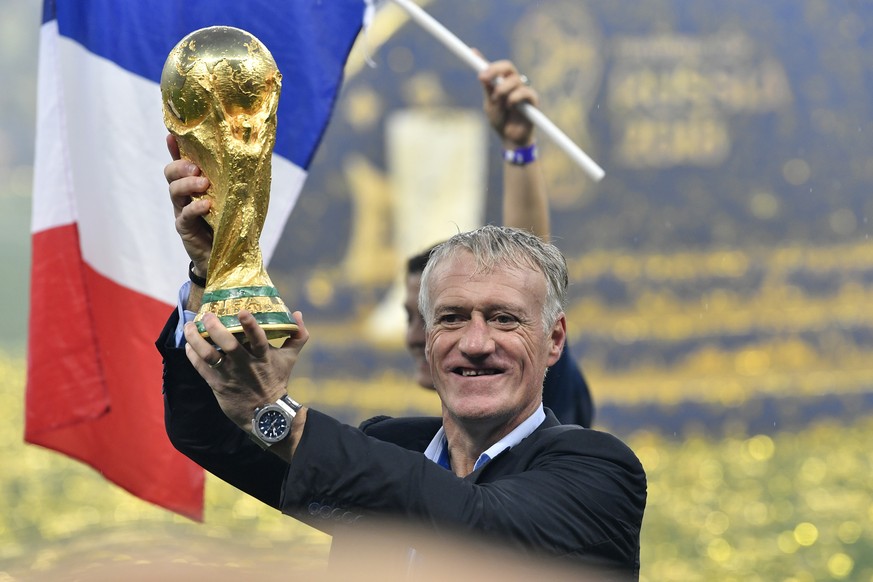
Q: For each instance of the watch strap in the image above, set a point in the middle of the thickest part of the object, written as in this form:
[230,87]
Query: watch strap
[290,405]
[195,278]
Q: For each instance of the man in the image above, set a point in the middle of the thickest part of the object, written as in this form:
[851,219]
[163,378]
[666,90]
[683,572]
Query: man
[525,205]
[495,465]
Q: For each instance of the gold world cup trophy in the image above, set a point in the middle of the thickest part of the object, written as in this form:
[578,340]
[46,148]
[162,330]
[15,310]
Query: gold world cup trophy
[220,89]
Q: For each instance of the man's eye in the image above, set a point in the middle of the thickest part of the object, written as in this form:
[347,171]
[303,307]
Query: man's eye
[449,318]
[504,320]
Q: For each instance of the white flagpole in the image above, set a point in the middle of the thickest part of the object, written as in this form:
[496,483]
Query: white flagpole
[466,54]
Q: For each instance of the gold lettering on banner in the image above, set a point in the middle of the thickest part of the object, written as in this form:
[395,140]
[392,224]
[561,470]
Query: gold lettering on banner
[653,142]
[671,97]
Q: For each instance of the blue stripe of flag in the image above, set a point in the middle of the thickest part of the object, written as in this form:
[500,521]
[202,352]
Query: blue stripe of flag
[310,40]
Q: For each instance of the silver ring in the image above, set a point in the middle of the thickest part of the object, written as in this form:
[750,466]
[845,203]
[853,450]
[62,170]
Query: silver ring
[218,363]
[524,79]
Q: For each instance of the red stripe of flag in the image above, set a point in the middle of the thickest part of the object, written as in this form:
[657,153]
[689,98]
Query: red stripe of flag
[92,373]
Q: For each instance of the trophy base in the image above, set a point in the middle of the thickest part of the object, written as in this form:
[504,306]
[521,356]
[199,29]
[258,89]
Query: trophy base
[273,329]
[262,302]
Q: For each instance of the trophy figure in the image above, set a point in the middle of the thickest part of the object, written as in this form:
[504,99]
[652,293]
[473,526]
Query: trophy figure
[220,90]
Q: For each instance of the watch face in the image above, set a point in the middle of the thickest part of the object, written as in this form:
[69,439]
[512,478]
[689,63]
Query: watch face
[272,424]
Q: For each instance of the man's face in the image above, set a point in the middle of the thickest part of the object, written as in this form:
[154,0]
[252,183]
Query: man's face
[487,347]
[415,331]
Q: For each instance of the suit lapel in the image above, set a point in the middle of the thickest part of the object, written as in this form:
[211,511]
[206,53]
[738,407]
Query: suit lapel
[508,461]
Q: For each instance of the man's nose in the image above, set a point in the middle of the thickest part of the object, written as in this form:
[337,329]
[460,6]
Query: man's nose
[476,340]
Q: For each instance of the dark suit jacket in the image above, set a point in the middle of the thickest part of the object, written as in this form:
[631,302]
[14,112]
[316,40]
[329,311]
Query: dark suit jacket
[564,490]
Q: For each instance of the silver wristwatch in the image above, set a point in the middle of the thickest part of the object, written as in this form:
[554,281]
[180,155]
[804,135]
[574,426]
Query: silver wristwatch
[272,423]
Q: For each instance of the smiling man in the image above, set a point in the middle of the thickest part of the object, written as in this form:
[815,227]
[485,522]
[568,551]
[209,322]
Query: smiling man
[492,330]
[496,465]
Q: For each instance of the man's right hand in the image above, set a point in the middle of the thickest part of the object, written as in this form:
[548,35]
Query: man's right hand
[502,99]
[185,181]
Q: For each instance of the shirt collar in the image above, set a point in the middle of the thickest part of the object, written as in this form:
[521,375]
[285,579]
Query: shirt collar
[438,449]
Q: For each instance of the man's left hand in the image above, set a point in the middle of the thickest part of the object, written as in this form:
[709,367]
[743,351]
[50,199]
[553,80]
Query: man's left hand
[243,376]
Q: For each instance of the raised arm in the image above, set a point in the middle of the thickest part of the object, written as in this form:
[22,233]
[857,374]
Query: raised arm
[525,203]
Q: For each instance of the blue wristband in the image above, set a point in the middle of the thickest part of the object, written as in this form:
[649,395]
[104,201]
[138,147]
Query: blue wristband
[521,156]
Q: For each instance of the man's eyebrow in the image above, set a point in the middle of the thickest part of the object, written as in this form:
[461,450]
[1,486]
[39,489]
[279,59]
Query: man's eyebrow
[511,307]
[449,309]
[489,308]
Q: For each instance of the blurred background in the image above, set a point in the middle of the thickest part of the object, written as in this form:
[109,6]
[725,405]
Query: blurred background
[721,277]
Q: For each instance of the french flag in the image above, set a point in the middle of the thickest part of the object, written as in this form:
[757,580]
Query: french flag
[107,263]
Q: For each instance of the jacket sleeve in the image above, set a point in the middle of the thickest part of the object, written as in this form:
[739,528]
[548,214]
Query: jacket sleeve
[577,493]
[199,429]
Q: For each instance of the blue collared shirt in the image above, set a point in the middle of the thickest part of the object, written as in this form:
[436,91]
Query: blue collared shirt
[438,449]
[184,315]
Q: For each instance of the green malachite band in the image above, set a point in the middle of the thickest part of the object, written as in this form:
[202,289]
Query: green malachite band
[236,292]
[268,318]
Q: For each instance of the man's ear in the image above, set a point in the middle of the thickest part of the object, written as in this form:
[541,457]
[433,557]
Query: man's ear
[557,338]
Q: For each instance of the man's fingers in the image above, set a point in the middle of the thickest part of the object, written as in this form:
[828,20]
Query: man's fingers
[257,338]
[200,352]
[504,82]
[220,335]
[509,84]
[522,93]
[184,181]
[178,169]
[192,212]
[496,70]
[182,189]
[195,232]
[299,339]
[173,146]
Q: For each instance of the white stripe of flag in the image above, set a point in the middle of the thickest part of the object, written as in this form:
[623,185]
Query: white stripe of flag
[107,263]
